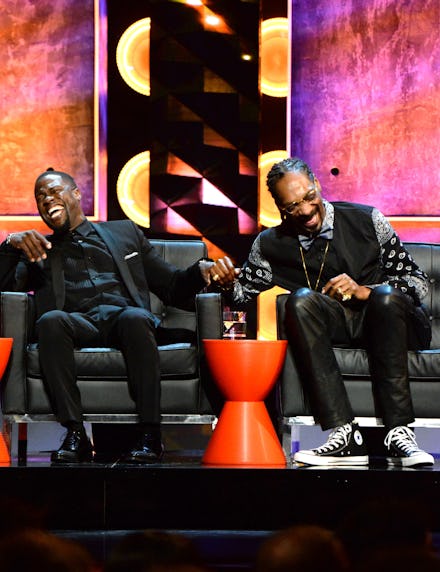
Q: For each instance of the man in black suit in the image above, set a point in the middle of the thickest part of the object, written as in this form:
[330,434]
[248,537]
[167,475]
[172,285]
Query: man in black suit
[91,284]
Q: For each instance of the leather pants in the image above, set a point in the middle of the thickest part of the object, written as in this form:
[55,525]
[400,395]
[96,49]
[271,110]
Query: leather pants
[387,325]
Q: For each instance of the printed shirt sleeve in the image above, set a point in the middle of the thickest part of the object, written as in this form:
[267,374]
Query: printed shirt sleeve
[255,276]
[398,264]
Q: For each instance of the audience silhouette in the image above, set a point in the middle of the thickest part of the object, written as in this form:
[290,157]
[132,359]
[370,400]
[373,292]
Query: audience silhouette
[305,548]
[381,524]
[155,551]
[41,551]
[380,535]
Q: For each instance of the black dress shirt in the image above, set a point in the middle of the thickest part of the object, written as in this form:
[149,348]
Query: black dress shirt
[91,277]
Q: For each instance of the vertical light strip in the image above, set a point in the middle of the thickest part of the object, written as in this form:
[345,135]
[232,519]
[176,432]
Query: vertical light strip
[100,112]
[289,81]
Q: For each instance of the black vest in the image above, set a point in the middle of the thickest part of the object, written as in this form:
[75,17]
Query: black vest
[354,250]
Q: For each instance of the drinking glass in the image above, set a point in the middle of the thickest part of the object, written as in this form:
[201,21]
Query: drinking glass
[234,325]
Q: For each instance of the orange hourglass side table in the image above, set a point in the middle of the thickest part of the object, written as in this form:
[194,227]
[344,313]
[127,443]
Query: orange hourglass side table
[5,352]
[245,371]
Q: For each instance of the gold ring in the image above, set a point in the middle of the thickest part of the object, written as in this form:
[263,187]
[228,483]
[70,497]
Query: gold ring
[339,291]
[346,297]
[215,277]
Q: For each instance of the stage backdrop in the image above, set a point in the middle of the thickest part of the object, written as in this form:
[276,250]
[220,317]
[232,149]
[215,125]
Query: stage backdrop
[365,104]
[47,101]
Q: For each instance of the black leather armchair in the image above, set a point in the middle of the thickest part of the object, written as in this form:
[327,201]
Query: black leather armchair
[424,366]
[188,392]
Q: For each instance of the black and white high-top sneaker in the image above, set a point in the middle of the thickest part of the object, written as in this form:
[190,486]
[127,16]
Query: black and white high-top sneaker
[403,449]
[345,446]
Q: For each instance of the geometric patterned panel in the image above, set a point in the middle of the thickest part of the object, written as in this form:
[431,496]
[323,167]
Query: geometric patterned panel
[204,124]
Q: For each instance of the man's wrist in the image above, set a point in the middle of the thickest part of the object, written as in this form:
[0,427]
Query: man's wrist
[204,265]
[228,287]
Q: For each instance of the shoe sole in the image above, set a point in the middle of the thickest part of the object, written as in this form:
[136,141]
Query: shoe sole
[70,461]
[410,462]
[304,459]
[139,462]
[84,458]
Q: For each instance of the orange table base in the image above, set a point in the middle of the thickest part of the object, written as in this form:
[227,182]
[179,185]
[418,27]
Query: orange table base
[244,435]
[245,371]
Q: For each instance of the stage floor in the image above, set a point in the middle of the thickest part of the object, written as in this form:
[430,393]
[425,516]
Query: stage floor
[228,510]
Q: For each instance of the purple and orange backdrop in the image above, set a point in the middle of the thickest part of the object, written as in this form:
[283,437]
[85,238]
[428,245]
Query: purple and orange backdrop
[48,102]
[365,105]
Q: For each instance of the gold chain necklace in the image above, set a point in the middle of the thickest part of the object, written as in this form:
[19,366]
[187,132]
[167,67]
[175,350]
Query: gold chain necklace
[320,270]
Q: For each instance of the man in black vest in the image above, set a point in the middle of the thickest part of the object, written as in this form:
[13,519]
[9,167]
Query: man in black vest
[91,284]
[350,279]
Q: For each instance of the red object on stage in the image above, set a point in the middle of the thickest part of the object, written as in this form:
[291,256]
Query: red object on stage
[245,371]
[5,352]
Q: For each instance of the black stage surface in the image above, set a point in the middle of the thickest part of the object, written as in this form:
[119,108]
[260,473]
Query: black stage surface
[227,510]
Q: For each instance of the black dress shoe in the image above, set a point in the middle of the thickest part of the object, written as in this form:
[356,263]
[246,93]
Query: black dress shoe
[148,449]
[76,448]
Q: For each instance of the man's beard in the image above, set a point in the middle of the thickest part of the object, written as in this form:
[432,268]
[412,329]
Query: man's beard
[62,229]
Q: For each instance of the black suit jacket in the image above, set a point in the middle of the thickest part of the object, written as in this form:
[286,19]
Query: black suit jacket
[142,270]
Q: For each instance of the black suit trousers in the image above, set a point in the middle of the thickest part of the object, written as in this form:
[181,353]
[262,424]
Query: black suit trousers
[130,329]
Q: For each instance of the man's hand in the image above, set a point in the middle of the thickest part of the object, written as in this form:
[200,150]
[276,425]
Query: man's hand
[343,288]
[223,272]
[32,243]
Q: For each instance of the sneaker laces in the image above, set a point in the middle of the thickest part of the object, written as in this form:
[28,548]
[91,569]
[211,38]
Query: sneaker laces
[339,436]
[403,438]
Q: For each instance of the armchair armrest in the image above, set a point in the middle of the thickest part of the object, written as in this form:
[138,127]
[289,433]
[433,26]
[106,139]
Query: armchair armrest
[280,311]
[209,311]
[14,323]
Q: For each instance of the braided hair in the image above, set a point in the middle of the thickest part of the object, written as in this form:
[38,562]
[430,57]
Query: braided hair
[290,165]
